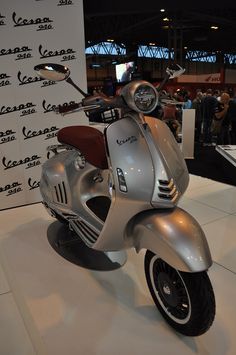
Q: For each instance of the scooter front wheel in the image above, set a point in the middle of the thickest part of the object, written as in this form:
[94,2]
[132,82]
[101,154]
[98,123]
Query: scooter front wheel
[185,300]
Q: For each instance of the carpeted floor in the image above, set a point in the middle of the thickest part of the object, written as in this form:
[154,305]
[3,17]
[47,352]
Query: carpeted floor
[209,163]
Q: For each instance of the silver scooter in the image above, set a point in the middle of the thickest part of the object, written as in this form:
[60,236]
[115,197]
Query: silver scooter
[119,188]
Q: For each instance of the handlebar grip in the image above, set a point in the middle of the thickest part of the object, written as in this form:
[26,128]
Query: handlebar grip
[67,108]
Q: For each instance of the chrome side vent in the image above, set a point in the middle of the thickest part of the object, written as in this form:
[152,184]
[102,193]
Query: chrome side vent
[85,232]
[164,182]
[61,193]
[69,215]
[168,190]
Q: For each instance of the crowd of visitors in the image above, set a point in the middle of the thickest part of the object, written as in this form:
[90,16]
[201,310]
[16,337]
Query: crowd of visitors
[215,115]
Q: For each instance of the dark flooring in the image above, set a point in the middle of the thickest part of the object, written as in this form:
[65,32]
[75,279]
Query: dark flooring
[209,163]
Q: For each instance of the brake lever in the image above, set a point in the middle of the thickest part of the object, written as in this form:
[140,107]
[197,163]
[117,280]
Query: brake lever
[67,108]
[78,109]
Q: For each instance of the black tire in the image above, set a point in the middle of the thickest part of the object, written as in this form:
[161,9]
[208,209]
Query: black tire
[185,300]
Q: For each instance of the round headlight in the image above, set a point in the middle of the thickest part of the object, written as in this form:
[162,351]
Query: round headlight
[145,98]
[140,96]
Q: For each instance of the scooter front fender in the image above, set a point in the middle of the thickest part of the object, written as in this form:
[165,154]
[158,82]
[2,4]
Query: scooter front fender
[174,235]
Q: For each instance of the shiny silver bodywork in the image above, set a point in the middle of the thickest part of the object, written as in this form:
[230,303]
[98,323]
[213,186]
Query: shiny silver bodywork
[175,236]
[144,214]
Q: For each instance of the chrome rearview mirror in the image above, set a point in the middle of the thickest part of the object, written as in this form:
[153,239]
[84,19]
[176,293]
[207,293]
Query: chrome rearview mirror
[174,70]
[53,72]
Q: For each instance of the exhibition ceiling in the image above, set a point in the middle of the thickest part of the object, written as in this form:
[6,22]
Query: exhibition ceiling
[205,25]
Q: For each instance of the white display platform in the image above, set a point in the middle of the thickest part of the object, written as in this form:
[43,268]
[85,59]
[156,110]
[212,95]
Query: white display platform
[71,310]
[228,152]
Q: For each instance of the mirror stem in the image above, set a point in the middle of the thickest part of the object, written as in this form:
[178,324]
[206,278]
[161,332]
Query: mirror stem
[166,78]
[70,81]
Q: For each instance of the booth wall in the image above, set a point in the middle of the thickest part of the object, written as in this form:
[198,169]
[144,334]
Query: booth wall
[34,32]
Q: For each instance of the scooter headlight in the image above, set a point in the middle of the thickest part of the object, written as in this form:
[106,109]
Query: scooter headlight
[145,98]
[141,96]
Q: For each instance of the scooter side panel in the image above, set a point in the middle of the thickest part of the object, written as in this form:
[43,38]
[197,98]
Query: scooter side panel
[175,236]
[66,188]
[164,148]
[128,152]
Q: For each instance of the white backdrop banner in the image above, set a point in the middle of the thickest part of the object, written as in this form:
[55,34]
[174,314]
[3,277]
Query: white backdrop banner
[201,78]
[38,31]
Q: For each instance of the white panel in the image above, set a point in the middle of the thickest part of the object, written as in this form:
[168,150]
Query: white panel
[188,130]
[38,32]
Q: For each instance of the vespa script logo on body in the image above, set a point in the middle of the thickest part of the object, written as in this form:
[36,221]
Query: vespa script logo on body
[2,20]
[21,52]
[29,162]
[66,54]
[26,109]
[42,23]
[24,79]
[130,139]
[33,184]
[11,189]
[50,132]
[7,136]
[4,80]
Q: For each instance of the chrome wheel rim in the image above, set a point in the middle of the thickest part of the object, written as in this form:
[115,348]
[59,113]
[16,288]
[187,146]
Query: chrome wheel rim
[170,290]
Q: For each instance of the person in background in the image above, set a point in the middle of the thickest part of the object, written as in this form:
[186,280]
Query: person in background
[232,119]
[196,104]
[216,94]
[209,104]
[223,118]
[187,102]
[170,118]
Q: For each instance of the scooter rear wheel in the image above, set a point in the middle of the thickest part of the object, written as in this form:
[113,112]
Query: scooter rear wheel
[185,300]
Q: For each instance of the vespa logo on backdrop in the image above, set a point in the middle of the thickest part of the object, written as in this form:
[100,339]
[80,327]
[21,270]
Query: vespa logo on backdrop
[42,23]
[4,80]
[11,189]
[24,79]
[2,20]
[66,54]
[7,136]
[33,184]
[21,52]
[65,2]
[52,108]
[26,109]
[49,133]
[29,162]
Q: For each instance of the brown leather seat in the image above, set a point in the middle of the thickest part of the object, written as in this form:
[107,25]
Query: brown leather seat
[89,140]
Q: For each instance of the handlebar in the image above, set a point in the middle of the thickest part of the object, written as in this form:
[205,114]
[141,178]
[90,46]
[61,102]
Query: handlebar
[92,103]
[139,96]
